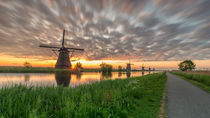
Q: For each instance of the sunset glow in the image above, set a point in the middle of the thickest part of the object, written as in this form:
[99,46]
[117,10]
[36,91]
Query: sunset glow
[12,61]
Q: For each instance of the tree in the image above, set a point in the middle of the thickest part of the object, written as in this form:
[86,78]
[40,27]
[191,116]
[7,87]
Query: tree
[120,68]
[106,68]
[78,65]
[27,65]
[187,65]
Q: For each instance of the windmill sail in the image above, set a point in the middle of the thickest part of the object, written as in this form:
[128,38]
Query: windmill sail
[46,46]
[63,38]
[76,49]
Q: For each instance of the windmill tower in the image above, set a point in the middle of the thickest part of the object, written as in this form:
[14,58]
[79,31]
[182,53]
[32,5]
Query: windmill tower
[128,67]
[63,60]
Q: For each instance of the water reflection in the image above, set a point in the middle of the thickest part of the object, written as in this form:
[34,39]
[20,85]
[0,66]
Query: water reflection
[119,74]
[128,74]
[63,78]
[142,73]
[106,75]
[78,75]
[60,78]
[26,77]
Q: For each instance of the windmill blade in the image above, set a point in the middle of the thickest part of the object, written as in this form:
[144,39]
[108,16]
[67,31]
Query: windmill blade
[63,38]
[46,46]
[79,49]
[54,51]
[72,52]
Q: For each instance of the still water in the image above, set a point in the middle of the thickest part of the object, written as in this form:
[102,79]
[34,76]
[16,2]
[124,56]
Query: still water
[55,79]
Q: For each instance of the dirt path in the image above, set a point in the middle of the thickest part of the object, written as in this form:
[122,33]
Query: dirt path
[185,100]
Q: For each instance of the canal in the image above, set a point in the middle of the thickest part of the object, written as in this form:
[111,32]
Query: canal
[65,79]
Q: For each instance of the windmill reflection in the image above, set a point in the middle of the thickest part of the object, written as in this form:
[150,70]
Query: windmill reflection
[128,74]
[142,73]
[63,78]
[119,74]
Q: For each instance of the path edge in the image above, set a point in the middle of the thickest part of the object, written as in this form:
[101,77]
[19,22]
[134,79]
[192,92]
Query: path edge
[162,112]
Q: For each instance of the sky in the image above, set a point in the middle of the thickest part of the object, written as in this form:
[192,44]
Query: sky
[157,33]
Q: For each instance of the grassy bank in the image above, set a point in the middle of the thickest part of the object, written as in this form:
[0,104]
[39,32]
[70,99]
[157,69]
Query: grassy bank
[26,70]
[31,70]
[202,81]
[138,97]
[202,72]
[38,70]
[49,70]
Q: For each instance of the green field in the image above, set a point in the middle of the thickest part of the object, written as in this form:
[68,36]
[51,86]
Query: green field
[138,97]
[202,81]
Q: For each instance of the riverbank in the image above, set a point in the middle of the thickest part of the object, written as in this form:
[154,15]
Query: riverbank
[132,97]
[33,70]
[201,80]
[26,70]
[51,70]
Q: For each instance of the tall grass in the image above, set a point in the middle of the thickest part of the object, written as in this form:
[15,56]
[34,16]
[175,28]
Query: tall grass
[134,97]
[201,80]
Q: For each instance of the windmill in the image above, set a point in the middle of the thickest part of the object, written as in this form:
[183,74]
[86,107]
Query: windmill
[128,67]
[149,68]
[142,68]
[63,60]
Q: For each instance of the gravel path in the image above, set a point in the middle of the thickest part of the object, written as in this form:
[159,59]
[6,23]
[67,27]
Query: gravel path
[185,100]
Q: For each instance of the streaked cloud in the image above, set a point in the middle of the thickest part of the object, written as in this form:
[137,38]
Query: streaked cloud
[117,29]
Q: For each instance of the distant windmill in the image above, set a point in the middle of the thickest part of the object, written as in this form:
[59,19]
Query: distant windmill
[128,67]
[63,57]
[149,68]
[142,68]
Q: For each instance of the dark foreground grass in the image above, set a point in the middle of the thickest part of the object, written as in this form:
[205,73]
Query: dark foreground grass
[202,81]
[138,97]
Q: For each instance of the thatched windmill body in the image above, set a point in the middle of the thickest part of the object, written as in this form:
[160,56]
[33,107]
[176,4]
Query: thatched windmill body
[63,60]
